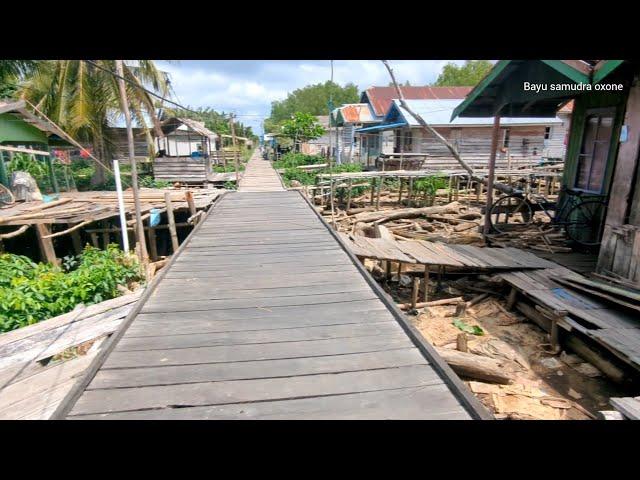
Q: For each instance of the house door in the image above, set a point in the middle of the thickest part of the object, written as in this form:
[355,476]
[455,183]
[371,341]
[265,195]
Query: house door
[619,254]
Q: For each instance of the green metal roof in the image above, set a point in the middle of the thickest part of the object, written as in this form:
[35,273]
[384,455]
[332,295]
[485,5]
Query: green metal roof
[503,90]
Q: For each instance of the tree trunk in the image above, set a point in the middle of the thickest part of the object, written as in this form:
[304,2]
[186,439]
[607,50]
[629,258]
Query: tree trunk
[99,175]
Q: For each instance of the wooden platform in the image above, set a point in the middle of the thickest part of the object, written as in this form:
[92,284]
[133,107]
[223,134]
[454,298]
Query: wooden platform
[264,314]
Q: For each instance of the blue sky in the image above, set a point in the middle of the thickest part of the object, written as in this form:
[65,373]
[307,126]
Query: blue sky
[247,87]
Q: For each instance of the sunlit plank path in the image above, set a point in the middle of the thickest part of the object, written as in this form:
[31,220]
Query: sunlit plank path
[264,315]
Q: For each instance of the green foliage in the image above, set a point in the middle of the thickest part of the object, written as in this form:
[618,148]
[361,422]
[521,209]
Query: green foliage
[308,178]
[467,75]
[31,292]
[473,330]
[430,185]
[302,127]
[229,168]
[312,99]
[292,159]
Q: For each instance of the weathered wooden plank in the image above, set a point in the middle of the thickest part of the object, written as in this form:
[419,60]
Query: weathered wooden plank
[129,344]
[208,393]
[399,404]
[269,351]
[181,374]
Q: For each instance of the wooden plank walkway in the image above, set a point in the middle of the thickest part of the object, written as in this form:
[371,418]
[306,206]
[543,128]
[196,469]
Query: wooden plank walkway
[264,314]
[259,176]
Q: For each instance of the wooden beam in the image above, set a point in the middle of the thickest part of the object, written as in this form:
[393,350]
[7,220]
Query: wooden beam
[491,174]
[47,252]
[172,222]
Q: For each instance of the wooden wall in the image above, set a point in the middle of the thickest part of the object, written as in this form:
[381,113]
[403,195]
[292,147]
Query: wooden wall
[620,248]
[181,169]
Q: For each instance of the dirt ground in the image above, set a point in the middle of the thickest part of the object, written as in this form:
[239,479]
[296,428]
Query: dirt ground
[544,387]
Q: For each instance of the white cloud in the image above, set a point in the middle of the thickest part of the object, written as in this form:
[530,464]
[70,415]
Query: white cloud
[247,88]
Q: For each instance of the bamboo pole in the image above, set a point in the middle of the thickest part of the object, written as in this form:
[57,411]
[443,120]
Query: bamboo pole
[144,257]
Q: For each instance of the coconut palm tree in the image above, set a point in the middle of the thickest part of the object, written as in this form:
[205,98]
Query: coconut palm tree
[82,96]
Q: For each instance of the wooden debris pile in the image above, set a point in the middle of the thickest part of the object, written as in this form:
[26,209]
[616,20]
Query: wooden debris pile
[40,363]
[539,237]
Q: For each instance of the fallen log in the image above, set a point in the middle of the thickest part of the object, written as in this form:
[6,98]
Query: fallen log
[385,216]
[434,303]
[475,366]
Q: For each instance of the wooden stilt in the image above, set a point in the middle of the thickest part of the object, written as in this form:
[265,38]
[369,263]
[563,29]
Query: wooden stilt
[94,240]
[426,284]
[47,251]
[511,299]
[77,242]
[400,191]
[410,193]
[172,222]
[349,194]
[414,293]
[153,244]
[380,184]
[373,191]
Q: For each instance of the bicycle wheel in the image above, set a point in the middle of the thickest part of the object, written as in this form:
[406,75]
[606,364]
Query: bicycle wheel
[510,213]
[581,221]
[6,197]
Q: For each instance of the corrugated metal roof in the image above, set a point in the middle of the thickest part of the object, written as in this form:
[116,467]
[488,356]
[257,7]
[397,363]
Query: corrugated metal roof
[357,113]
[567,107]
[381,97]
[437,113]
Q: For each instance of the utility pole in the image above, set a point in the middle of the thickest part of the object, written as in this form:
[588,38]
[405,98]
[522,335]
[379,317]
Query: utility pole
[143,255]
[236,153]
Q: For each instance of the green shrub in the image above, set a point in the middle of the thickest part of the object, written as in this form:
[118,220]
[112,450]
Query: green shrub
[291,160]
[309,178]
[31,292]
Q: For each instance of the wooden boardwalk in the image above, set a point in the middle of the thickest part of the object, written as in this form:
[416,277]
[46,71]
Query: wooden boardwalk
[260,176]
[264,314]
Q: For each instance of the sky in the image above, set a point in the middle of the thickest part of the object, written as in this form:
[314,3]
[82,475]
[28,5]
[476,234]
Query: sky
[247,87]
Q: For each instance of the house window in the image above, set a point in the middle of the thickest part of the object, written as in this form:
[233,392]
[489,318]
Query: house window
[408,140]
[505,143]
[592,160]
[547,133]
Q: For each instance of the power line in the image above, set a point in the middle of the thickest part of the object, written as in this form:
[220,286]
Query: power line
[164,99]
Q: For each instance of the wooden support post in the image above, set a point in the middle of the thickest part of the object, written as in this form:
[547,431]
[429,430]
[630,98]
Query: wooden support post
[461,342]
[410,193]
[172,222]
[491,175]
[47,252]
[188,195]
[457,189]
[400,191]
[478,191]
[387,265]
[414,292]
[349,194]
[373,190]
[94,240]
[426,284]
[77,242]
[450,195]
[380,184]
[511,299]
[106,239]
[153,243]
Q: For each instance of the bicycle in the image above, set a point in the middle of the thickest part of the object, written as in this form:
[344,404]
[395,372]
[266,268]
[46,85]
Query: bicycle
[580,211]
[6,197]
